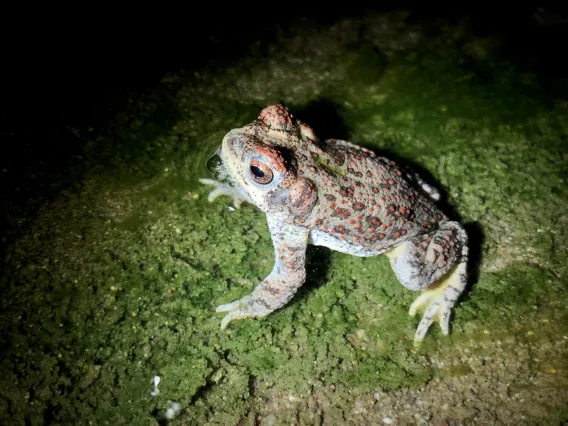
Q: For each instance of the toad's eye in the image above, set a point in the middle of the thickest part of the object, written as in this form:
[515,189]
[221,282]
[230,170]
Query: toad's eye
[260,172]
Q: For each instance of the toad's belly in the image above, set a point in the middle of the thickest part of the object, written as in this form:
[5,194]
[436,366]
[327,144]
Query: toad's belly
[320,238]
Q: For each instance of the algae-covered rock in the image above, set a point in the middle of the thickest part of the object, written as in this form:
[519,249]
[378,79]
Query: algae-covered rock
[116,282]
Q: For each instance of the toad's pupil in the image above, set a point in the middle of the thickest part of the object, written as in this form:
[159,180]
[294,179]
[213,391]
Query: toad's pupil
[257,171]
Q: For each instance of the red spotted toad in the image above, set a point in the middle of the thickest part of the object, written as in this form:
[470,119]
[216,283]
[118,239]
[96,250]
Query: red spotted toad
[336,194]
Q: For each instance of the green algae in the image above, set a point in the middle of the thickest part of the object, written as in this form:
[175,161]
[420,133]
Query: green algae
[118,282]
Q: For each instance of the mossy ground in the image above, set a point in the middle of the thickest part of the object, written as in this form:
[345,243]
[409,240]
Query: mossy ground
[117,280]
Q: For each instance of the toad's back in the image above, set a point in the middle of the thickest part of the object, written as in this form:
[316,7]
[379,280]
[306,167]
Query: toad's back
[366,203]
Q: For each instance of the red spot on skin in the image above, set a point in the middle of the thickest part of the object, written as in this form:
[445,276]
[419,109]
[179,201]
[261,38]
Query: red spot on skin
[341,229]
[342,201]
[396,234]
[384,227]
[316,222]
[347,213]
[357,239]
[352,221]
[403,232]
[371,230]
[375,189]
[411,216]
[381,236]
[324,228]
[373,201]
[338,210]
[359,217]
[332,205]
[391,181]
[331,231]
[342,236]
[391,208]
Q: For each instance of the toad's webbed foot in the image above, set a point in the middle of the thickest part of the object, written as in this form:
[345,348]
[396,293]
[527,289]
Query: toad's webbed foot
[222,188]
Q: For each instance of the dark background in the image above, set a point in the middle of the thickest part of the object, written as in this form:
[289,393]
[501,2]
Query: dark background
[78,64]
[76,68]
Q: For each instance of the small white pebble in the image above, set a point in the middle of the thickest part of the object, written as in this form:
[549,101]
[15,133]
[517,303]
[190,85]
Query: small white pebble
[231,208]
[156,391]
[173,410]
[170,413]
[388,420]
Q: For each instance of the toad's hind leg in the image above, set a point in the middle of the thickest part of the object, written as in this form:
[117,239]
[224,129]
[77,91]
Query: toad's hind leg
[435,263]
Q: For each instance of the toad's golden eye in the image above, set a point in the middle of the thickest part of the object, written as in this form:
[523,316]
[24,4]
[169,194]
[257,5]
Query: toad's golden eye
[260,172]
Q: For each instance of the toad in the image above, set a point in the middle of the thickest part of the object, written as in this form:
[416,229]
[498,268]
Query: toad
[336,194]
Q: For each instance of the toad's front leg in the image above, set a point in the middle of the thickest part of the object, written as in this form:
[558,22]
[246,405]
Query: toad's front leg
[222,188]
[287,275]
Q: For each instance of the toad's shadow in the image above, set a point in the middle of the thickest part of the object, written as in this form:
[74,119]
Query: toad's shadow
[325,118]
